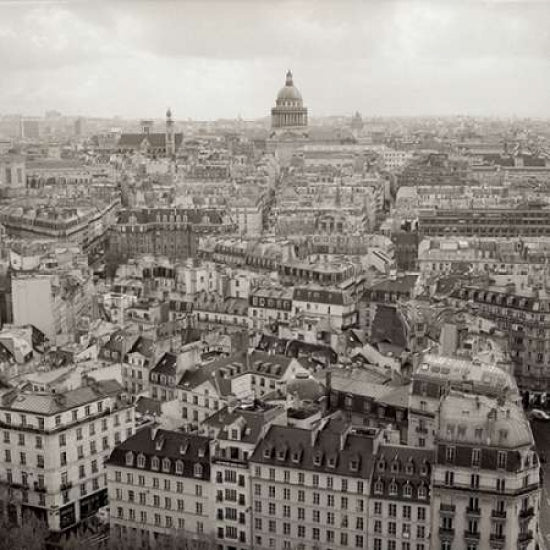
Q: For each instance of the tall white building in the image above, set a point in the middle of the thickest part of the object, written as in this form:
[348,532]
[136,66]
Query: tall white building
[53,447]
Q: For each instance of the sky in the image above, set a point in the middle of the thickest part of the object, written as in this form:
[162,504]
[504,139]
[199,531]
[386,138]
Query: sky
[210,59]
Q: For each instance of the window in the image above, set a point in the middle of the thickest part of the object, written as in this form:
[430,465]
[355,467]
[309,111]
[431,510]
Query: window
[449,478]
[378,508]
[501,485]
[501,459]
[450,453]
[476,457]
[474,481]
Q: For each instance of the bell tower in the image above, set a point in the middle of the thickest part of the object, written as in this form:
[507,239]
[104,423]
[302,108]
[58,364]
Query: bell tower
[170,137]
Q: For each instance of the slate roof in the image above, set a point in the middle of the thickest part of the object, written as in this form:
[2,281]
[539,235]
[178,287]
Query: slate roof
[50,403]
[332,450]
[166,365]
[152,442]
[157,139]
[387,326]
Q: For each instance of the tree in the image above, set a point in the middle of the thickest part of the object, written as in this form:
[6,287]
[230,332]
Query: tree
[30,535]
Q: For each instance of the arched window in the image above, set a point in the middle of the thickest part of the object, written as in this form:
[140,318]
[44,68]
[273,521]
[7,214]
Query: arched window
[179,467]
[378,487]
[165,464]
[407,490]
[129,458]
[393,488]
[141,461]
[422,492]
[155,463]
[197,470]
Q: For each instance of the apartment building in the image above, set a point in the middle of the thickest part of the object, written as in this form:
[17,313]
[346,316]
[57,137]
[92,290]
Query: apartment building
[236,431]
[205,390]
[435,377]
[531,221]
[268,307]
[311,487]
[486,484]
[521,310]
[53,448]
[399,504]
[160,487]
[52,302]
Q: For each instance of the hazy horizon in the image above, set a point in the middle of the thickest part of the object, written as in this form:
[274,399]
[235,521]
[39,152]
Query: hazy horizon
[220,59]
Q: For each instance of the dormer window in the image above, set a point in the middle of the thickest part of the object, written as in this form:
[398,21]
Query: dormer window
[235,434]
[129,458]
[201,452]
[166,465]
[422,492]
[331,463]
[410,468]
[296,457]
[407,490]
[141,461]
[184,447]
[159,443]
[317,459]
[381,465]
[395,466]
[155,463]
[354,465]
[197,470]
[393,488]
[267,452]
[179,467]
[378,487]
[281,454]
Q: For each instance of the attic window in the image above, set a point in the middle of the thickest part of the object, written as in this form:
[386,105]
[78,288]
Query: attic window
[267,452]
[381,465]
[166,465]
[141,461]
[201,452]
[129,458]
[281,454]
[197,470]
[155,463]
[331,462]
[317,459]
[378,488]
[395,466]
[410,468]
[393,488]
[407,490]
[184,447]
[354,465]
[159,443]
[422,493]
[296,457]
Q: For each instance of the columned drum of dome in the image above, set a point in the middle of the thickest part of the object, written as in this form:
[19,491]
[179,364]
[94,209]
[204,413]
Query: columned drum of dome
[289,111]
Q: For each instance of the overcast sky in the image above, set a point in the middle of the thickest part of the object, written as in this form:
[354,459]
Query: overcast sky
[210,59]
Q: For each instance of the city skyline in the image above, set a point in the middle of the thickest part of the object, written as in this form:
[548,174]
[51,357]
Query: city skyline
[380,58]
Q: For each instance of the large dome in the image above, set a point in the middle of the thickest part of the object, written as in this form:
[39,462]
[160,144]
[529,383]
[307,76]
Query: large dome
[289,111]
[289,91]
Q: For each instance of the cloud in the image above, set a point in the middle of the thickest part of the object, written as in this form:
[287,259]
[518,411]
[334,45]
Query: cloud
[216,58]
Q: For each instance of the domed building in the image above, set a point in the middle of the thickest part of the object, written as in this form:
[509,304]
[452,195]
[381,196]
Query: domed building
[289,110]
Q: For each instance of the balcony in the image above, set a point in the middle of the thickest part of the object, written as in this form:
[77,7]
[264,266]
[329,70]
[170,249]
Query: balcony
[40,488]
[447,508]
[473,511]
[66,486]
[498,514]
[497,541]
[525,537]
[471,535]
[421,430]
[526,513]
[446,532]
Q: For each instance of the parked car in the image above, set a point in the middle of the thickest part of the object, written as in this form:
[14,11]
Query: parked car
[537,414]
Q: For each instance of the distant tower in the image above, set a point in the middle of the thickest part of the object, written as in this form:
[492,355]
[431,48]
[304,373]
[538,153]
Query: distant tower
[170,138]
[289,110]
